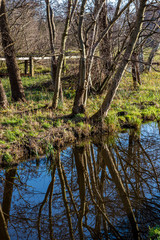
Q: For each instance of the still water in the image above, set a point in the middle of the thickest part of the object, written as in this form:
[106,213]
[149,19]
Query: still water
[106,189]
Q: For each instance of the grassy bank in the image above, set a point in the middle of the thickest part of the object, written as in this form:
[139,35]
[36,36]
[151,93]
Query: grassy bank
[32,128]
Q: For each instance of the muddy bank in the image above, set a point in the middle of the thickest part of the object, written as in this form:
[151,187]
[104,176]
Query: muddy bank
[53,139]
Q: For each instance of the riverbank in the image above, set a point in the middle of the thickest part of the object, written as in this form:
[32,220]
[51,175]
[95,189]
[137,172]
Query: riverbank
[33,129]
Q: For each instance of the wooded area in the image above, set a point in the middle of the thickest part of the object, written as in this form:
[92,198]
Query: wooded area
[92,46]
[116,33]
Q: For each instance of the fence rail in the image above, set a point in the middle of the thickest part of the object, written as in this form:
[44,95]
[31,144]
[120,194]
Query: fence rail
[39,58]
[29,62]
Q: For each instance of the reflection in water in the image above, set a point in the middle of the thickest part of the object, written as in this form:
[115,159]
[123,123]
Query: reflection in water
[89,191]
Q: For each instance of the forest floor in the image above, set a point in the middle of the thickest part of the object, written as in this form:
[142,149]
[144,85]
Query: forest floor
[34,129]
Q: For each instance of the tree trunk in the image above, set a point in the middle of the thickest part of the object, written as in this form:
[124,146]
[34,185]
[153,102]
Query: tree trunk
[151,56]
[141,60]
[9,52]
[58,87]
[121,190]
[86,60]
[8,191]
[58,93]
[3,226]
[105,46]
[102,112]
[78,106]
[86,66]
[135,70]
[51,28]
[3,98]
[64,195]
[80,165]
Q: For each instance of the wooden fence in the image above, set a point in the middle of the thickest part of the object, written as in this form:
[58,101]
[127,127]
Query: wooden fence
[29,62]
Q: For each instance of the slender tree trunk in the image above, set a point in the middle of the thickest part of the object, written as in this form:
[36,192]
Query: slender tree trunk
[78,106]
[86,62]
[151,56]
[141,60]
[3,227]
[64,195]
[86,66]
[3,98]
[135,70]
[102,112]
[8,191]
[9,52]
[47,194]
[51,28]
[122,192]
[79,161]
[105,46]
[58,86]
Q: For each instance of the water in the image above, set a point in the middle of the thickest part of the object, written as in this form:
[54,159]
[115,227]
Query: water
[92,190]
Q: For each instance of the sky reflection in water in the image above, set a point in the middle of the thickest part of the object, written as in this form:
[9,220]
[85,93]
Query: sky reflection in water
[88,191]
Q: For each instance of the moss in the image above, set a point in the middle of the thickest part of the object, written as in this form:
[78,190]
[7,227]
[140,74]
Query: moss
[34,119]
[7,158]
[46,125]
[13,122]
[57,123]
[10,136]
[154,233]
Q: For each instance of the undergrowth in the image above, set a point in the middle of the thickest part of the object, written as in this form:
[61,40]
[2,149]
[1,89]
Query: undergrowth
[129,108]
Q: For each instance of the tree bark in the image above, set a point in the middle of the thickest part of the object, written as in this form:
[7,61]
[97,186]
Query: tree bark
[151,55]
[86,60]
[3,98]
[135,70]
[3,227]
[102,112]
[78,106]
[9,52]
[58,87]
[105,46]
[51,28]
[141,60]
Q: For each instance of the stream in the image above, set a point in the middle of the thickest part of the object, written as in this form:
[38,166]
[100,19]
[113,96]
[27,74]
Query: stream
[108,189]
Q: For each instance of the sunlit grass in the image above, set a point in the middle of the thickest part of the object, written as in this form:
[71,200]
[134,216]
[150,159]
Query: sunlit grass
[22,120]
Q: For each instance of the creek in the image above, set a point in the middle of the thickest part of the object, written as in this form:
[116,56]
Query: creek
[106,189]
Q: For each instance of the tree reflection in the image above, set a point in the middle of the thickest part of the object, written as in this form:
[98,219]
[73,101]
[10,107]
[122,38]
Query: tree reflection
[48,194]
[90,191]
[3,226]
[7,193]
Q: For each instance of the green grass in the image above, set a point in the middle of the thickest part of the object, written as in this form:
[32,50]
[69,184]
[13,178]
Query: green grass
[21,121]
[154,233]
[7,158]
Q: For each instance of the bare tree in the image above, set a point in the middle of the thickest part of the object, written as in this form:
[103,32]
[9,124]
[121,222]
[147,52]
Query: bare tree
[52,35]
[122,192]
[58,86]
[105,46]
[102,112]
[135,69]
[9,52]
[86,61]
[152,55]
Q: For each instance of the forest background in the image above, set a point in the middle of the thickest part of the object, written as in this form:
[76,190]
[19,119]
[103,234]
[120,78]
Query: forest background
[112,84]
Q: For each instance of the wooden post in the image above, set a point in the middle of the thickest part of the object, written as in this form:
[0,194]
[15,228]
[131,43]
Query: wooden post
[25,67]
[31,63]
